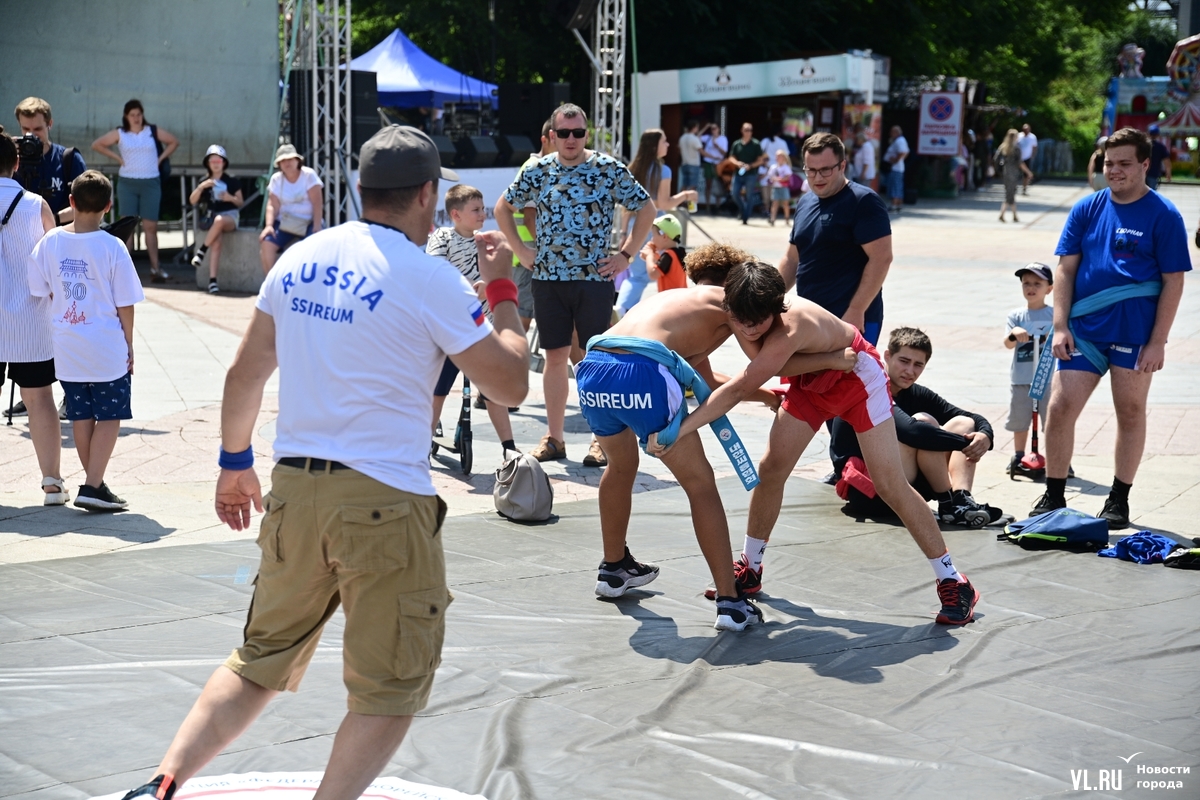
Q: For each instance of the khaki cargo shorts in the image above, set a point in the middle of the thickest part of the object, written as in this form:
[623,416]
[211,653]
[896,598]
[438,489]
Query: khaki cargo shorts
[340,537]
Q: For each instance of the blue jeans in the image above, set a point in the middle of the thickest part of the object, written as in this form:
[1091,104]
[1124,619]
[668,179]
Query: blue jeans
[747,183]
[635,284]
[690,176]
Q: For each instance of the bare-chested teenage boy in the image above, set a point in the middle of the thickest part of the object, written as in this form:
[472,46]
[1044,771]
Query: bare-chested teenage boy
[626,396]
[771,331]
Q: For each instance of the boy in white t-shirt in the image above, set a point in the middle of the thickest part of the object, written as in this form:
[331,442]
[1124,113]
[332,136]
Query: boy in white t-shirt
[92,285]
[456,244]
[1035,319]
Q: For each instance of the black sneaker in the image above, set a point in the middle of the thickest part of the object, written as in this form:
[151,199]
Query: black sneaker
[155,789]
[480,403]
[831,479]
[1045,503]
[101,499]
[616,579]
[963,509]
[958,602]
[213,286]
[1116,512]
[735,613]
[19,409]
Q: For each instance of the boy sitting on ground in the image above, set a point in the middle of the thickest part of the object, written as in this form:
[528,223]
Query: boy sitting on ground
[772,331]
[456,244]
[664,255]
[92,285]
[940,443]
[626,396]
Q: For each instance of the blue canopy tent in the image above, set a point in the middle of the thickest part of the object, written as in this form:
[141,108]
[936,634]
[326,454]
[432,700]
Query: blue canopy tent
[409,78]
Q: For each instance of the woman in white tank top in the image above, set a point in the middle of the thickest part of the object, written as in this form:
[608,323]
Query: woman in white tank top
[139,189]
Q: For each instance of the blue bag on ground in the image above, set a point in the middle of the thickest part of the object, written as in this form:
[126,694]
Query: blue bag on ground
[1143,547]
[1061,529]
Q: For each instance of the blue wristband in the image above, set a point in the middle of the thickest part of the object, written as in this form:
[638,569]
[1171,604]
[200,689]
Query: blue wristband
[236,461]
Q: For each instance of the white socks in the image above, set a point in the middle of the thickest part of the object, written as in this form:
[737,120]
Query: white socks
[753,551]
[943,567]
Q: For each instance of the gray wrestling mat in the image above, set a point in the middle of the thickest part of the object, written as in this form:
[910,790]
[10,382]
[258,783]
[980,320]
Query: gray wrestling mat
[1076,664]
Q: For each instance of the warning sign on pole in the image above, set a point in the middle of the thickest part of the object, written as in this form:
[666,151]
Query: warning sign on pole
[939,132]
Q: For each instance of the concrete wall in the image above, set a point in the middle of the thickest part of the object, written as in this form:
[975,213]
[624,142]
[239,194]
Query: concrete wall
[206,70]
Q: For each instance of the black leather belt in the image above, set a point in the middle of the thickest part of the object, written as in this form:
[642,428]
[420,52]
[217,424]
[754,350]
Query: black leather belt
[311,464]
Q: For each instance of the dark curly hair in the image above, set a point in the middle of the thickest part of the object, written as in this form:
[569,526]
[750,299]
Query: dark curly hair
[754,292]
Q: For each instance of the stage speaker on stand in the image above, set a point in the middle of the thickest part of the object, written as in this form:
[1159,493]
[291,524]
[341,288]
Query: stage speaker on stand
[514,150]
[476,152]
[525,107]
[446,150]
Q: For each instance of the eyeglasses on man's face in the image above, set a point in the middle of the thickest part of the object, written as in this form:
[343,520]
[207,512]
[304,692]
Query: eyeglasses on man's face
[565,133]
[824,172]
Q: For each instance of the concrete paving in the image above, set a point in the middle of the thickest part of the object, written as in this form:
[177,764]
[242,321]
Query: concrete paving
[952,276]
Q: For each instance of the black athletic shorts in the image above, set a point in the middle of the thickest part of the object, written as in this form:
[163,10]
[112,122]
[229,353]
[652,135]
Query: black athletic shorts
[561,307]
[29,374]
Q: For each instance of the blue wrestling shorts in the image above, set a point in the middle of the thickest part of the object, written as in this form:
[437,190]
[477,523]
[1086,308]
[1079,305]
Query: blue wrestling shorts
[621,390]
[1119,355]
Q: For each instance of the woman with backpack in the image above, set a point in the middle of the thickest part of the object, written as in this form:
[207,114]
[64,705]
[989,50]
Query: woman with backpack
[143,150]
[1008,161]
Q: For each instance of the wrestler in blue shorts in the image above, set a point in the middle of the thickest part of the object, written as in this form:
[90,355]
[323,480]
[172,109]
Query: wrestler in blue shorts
[1119,355]
[622,390]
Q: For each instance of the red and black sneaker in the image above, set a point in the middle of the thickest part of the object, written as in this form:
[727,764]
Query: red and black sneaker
[746,580]
[161,788]
[958,602]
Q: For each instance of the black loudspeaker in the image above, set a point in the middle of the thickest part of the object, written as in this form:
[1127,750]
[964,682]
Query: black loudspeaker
[476,152]
[364,118]
[514,150]
[364,108]
[572,14]
[525,107]
[446,150]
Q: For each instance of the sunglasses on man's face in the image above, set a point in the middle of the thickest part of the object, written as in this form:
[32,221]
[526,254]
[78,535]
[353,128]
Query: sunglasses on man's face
[566,133]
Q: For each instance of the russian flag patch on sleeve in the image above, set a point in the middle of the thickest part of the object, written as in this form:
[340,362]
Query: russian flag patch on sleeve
[477,314]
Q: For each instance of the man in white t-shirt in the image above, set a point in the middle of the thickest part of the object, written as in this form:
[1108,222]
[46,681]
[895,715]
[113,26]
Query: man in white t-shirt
[715,149]
[359,319]
[690,147]
[770,146]
[864,160]
[1027,143]
[896,154]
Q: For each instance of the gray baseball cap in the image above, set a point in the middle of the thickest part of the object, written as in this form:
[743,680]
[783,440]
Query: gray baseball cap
[399,156]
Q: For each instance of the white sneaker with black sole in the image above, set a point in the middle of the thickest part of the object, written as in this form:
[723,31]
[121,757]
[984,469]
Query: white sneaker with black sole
[617,578]
[736,613]
[101,499]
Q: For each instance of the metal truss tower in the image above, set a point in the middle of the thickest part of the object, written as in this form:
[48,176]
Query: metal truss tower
[319,34]
[607,55]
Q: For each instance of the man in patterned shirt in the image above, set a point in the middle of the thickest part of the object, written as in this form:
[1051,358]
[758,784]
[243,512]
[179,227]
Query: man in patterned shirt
[575,191]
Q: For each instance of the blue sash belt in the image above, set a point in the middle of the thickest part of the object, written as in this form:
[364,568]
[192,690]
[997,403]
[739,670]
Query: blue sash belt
[688,379]
[1088,305]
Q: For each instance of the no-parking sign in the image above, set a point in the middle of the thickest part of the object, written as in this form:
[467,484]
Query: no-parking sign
[939,132]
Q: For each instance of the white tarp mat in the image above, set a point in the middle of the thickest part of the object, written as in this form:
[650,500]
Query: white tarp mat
[299,786]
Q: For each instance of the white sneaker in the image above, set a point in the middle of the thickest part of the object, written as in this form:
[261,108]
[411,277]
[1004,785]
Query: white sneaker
[57,498]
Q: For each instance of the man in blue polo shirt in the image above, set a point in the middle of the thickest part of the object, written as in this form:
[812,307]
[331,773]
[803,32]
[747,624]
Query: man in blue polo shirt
[841,244]
[1122,256]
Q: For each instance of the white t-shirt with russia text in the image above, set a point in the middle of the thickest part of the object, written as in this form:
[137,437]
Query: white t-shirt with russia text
[90,276]
[364,319]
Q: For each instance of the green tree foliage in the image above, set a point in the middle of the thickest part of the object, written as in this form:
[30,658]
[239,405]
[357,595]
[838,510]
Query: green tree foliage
[1051,58]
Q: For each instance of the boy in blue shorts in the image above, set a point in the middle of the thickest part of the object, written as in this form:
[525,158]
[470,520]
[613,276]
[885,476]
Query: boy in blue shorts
[1122,258]
[92,285]
[626,396]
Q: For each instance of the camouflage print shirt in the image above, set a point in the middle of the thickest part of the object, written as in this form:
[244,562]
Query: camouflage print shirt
[575,208]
